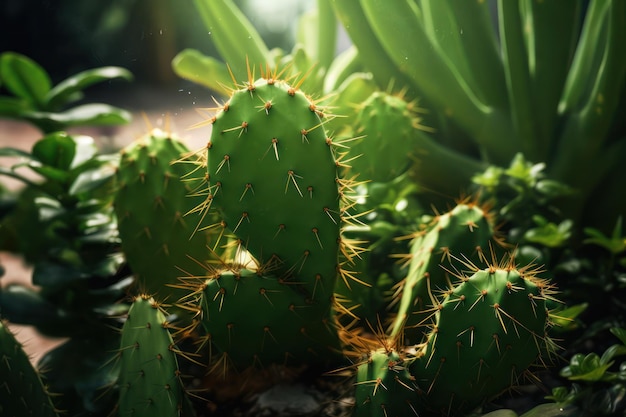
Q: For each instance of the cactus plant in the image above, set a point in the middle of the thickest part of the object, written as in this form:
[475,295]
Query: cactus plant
[273,181]
[462,231]
[22,392]
[385,126]
[156,190]
[489,330]
[150,380]
[273,177]
[385,386]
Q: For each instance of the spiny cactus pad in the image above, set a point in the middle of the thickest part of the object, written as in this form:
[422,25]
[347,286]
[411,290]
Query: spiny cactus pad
[22,392]
[150,382]
[461,232]
[257,320]
[273,178]
[489,330]
[385,142]
[155,192]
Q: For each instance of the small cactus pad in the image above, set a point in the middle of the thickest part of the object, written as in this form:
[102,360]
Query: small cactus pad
[150,382]
[155,192]
[489,330]
[273,178]
[254,320]
[462,231]
[22,392]
[385,387]
[385,142]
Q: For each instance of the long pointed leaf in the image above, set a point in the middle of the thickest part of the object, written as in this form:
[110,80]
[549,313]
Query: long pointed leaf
[516,73]
[236,39]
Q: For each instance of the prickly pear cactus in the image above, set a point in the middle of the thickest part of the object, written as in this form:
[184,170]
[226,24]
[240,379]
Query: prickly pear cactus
[385,140]
[22,392]
[489,330]
[385,386]
[273,182]
[150,382]
[461,232]
[155,193]
[257,320]
[273,178]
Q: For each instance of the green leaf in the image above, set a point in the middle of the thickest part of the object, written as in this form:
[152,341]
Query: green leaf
[12,106]
[501,413]
[95,114]
[56,150]
[194,66]
[236,39]
[620,333]
[551,410]
[585,368]
[550,234]
[66,90]
[565,319]
[615,244]
[24,78]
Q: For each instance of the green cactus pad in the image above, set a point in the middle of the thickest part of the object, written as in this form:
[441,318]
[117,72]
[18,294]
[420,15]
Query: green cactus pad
[22,392]
[490,329]
[154,196]
[254,320]
[385,140]
[273,179]
[461,232]
[150,382]
[385,387]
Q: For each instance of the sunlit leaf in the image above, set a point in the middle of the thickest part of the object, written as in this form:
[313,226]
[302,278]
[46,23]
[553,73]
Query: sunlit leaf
[24,77]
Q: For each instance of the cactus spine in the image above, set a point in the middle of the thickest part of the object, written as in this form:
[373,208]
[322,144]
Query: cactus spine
[22,392]
[150,381]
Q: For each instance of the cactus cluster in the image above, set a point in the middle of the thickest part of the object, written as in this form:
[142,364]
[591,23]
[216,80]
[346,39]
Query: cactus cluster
[273,183]
[487,331]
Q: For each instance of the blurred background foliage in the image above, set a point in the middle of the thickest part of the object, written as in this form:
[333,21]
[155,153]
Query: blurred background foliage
[68,36]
